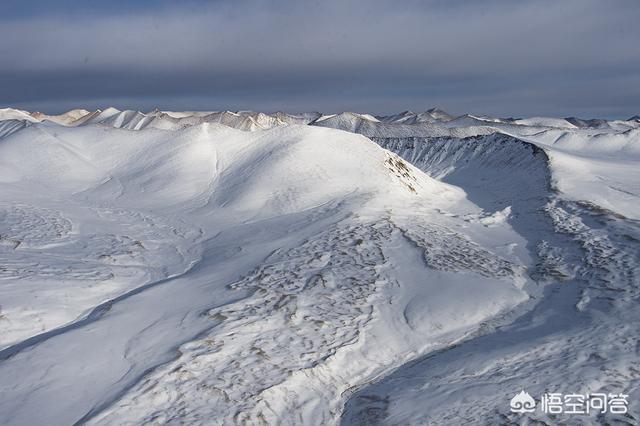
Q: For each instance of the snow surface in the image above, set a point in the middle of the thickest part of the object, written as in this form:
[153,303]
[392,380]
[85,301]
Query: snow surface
[242,267]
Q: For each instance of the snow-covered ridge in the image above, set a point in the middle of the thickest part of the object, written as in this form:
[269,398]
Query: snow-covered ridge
[530,176]
[370,125]
[170,120]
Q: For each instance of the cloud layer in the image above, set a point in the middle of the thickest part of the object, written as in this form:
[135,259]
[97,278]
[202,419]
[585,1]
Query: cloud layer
[575,57]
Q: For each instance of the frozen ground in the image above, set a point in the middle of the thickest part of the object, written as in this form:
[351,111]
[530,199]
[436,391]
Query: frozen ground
[250,268]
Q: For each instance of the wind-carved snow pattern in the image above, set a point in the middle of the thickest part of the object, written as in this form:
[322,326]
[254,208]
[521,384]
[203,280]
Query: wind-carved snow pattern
[32,227]
[610,260]
[32,242]
[552,265]
[307,303]
[447,250]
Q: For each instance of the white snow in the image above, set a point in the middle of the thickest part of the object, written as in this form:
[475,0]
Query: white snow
[242,267]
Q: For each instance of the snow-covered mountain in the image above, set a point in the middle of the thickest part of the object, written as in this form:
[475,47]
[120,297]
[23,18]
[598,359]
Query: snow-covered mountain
[245,267]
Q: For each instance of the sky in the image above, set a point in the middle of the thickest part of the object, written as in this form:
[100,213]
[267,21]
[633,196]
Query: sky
[495,57]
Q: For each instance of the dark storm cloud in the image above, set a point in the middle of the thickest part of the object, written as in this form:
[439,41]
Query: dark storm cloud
[575,57]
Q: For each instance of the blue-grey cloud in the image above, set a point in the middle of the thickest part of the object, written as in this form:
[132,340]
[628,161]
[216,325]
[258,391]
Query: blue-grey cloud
[576,57]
